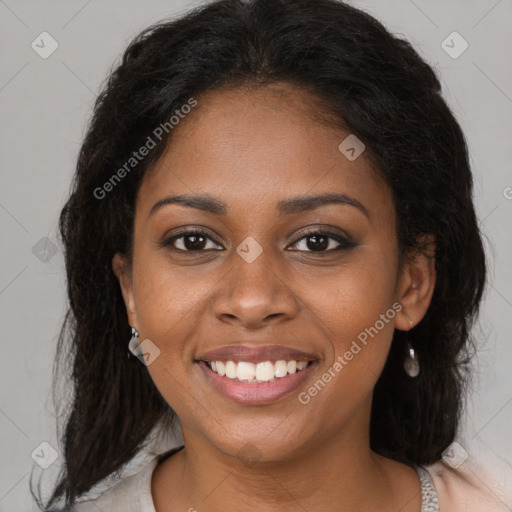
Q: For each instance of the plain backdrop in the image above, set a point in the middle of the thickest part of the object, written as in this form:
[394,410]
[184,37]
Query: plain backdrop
[45,104]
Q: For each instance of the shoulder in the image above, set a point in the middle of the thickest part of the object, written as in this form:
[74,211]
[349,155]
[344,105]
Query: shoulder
[467,483]
[130,494]
[129,488]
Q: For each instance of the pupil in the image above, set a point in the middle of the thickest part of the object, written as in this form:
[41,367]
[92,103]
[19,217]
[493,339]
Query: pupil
[316,244]
[197,240]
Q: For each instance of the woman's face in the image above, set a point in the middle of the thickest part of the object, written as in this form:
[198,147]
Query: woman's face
[261,282]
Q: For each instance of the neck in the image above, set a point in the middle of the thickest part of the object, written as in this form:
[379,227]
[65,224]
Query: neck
[330,475]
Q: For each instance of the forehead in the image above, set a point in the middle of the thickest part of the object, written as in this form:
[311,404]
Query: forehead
[252,145]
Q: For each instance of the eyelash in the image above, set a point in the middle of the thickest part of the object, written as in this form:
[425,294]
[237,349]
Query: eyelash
[344,242]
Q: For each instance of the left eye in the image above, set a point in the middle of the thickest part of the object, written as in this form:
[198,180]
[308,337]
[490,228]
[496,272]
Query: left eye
[321,241]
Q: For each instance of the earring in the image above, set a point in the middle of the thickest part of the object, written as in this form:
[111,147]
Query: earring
[133,345]
[411,363]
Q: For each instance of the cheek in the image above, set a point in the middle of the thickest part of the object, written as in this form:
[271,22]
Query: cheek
[167,303]
[355,309]
[354,294]
[166,293]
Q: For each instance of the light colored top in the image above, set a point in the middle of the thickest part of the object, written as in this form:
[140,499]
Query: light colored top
[458,483]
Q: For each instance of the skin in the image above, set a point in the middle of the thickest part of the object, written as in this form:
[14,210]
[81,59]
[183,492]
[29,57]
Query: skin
[251,149]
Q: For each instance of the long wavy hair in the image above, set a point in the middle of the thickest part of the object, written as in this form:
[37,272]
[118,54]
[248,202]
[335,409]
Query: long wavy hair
[370,81]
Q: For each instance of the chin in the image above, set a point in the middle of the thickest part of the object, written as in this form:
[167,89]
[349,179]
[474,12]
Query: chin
[268,442]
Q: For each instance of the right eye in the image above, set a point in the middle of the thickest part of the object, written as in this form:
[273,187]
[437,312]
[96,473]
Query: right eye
[192,240]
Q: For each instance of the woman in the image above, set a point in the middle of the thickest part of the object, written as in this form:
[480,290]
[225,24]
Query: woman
[272,210]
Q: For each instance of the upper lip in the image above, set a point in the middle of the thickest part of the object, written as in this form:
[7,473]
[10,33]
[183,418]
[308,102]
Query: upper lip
[255,354]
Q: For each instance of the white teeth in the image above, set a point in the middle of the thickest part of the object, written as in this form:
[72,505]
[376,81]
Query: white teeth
[221,368]
[245,371]
[266,371]
[231,370]
[280,368]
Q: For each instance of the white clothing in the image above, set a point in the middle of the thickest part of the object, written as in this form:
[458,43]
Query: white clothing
[472,487]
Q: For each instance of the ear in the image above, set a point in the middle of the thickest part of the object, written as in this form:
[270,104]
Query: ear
[416,283]
[122,270]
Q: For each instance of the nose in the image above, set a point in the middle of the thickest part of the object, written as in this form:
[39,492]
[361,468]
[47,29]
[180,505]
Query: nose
[252,295]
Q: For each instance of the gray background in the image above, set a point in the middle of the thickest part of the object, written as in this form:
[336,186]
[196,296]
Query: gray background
[44,104]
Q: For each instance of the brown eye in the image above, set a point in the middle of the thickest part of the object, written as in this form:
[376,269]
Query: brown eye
[323,241]
[191,241]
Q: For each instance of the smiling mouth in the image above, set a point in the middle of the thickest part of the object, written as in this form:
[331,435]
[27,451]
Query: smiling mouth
[250,383]
[254,373]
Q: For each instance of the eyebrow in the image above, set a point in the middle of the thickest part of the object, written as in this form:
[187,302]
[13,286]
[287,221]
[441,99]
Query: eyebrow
[291,206]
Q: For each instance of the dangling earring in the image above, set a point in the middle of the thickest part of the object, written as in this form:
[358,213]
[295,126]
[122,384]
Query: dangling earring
[411,363]
[133,345]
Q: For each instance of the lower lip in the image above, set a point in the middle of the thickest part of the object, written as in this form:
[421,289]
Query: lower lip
[256,393]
